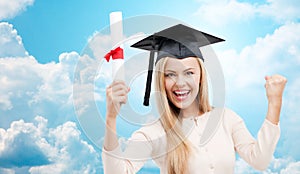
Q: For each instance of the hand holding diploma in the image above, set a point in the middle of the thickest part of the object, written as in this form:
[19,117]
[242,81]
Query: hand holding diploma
[116,93]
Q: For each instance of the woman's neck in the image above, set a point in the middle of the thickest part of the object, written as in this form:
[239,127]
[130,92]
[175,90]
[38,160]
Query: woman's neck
[192,110]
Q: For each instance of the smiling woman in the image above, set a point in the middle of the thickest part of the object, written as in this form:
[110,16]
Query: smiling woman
[174,142]
[182,79]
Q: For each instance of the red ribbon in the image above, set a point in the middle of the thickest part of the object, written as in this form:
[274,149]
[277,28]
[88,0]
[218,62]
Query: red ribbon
[115,54]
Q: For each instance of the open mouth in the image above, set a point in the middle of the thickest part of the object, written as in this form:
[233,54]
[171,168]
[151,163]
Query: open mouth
[181,94]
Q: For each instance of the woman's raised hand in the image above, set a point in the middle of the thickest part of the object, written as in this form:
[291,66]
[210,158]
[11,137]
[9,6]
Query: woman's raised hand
[274,88]
[116,95]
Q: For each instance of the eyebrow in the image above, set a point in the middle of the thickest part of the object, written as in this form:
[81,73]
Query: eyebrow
[183,70]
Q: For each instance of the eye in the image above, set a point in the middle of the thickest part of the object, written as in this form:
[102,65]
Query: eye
[171,75]
[189,73]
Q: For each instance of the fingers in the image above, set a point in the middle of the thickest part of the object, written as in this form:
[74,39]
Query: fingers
[117,92]
[275,79]
[275,85]
[116,85]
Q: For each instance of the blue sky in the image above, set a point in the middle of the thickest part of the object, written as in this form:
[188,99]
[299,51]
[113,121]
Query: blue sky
[42,49]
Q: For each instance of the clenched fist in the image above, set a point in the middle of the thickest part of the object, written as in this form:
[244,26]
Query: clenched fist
[274,87]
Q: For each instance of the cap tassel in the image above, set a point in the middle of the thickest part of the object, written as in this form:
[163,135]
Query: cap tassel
[149,79]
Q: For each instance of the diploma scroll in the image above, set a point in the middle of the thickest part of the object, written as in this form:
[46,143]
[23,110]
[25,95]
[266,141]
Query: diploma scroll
[116,31]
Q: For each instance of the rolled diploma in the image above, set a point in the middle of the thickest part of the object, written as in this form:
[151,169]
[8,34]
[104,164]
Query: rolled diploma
[116,31]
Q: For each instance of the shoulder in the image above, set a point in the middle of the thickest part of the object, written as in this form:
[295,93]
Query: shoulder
[232,121]
[229,117]
[229,114]
[224,112]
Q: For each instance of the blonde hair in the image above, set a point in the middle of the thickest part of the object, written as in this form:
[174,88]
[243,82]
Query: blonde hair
[178,147]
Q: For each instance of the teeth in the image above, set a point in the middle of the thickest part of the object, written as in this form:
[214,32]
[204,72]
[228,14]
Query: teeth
[181,92]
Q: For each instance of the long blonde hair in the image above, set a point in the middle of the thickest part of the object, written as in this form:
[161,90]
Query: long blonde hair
[178,147]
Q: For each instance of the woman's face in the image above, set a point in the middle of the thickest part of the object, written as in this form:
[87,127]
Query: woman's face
[182,79]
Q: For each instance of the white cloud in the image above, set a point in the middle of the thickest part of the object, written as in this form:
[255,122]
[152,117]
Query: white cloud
[14,140]
[271,54]
[69,152]
[19,77]
[290,120]
[276,166]
[99,44]
[223,12]
[5,102]
[84,83]
[59,149]
[28,84]
[11,8]
[6,171]
[293,168]
[280,10]
[10,42]
[242,167]
[57,79]
[31,88]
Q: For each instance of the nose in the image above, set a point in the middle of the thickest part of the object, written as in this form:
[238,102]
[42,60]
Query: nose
[180,81]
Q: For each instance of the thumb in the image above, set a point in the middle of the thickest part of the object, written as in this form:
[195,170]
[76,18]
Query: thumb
[267,77]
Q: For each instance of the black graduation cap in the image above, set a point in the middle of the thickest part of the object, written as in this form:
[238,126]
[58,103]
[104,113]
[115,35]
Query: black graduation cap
[178,41]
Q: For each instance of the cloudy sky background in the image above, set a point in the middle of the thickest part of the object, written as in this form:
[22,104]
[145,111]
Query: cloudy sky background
[42,62]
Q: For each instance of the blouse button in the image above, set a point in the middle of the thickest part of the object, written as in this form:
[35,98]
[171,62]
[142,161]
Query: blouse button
[211,166]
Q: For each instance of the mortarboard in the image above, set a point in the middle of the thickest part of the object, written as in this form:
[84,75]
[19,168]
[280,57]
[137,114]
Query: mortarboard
[179,42]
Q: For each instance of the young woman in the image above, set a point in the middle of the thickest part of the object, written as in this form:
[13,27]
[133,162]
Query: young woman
[173,142]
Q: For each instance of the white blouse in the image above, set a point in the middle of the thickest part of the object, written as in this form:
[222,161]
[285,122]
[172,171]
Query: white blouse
[215,156]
